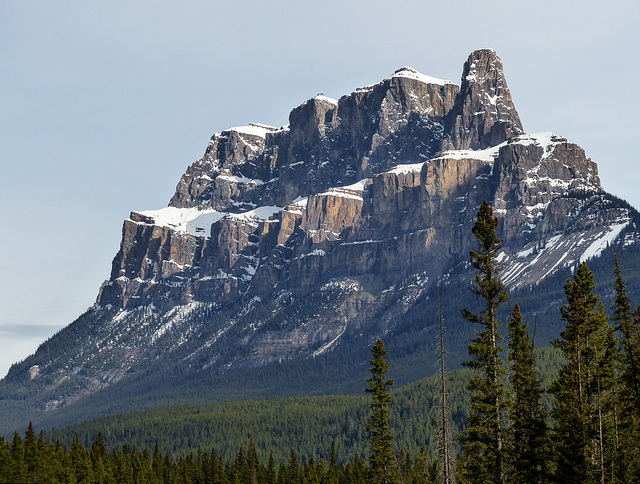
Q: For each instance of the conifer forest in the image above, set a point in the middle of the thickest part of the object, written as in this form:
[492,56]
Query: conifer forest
[506,418]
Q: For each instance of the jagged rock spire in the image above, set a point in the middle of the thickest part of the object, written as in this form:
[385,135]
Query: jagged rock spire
[484,114]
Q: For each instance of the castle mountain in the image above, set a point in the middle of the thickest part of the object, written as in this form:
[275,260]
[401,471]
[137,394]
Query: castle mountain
[285,251]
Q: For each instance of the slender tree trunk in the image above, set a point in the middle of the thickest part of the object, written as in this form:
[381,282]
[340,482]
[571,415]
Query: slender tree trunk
[494,345]
[601,435]
[445,447]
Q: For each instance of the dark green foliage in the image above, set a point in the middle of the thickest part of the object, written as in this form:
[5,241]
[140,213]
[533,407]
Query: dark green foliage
[484,439]
[308,425]
[628,324]
[527,451]
[125,464]
[381,459]
[627,432]
[583,390]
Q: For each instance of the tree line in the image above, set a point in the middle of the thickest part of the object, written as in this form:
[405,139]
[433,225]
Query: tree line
[591,433]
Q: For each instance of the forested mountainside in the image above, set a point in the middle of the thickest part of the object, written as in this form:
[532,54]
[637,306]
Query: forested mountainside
[285,252]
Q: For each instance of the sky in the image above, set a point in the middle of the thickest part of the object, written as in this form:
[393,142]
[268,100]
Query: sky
[103,105]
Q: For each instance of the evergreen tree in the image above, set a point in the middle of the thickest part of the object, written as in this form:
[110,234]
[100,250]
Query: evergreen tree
[5,459]
[294,471]
[629,330]
[253,462]
[156,462]
[270,473]
[382,459]
[627,428]
[359,471]
[582,391]
[31,454]
[528,430]
[419,473]
[332,475]
[18,470]
[483,453]
[82,468]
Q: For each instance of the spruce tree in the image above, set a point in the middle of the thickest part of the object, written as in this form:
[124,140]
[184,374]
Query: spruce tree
[31,454]
[253,462]
[626,324]
[583,390]
[18,471]
[527,444]
[628,402]
[483,452]
[382,459]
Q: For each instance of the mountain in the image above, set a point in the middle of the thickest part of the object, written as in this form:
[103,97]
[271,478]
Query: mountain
[284,252]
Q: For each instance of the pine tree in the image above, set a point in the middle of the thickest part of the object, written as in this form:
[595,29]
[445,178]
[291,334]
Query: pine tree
[382,459]
[294,471]
[31,454]
[332,475]
[483,453]
[253,463]
[582,392]
[629,341]
[419,473]
[18,471]
[270,473]
[528,430]
[627,423]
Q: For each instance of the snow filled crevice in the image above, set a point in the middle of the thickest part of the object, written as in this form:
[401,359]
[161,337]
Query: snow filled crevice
[538,260]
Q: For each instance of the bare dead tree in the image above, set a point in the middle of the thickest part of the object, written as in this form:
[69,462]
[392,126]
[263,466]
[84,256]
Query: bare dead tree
[444,430]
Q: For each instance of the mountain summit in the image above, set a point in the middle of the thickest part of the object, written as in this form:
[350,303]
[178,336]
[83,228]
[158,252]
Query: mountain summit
[259,180]
[294,247]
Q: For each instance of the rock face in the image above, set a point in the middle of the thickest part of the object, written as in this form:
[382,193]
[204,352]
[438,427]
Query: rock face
[350,143]
[484,114]
[280,241]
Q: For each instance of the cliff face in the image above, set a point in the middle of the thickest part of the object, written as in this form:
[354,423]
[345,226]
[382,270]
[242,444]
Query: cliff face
[328,179]
[484,114]
[280,241]
[380,185]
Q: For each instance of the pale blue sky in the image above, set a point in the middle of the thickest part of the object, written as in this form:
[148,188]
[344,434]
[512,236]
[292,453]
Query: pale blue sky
[104,104]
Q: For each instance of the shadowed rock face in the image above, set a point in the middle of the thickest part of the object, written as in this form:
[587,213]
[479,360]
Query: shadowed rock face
[484,114]
[358,206]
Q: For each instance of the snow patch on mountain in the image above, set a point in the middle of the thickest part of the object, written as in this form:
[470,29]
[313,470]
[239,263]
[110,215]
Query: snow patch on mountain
[259,213]
[411,73]
[604,241]
[546,140]
[185,220]
[410,168]
[350,191]
[254,129]
[541,259]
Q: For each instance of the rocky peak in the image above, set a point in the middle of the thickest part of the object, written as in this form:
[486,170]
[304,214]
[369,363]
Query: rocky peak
[312,120]
[484,114]
[233,152]
[276,205]
[327,143]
